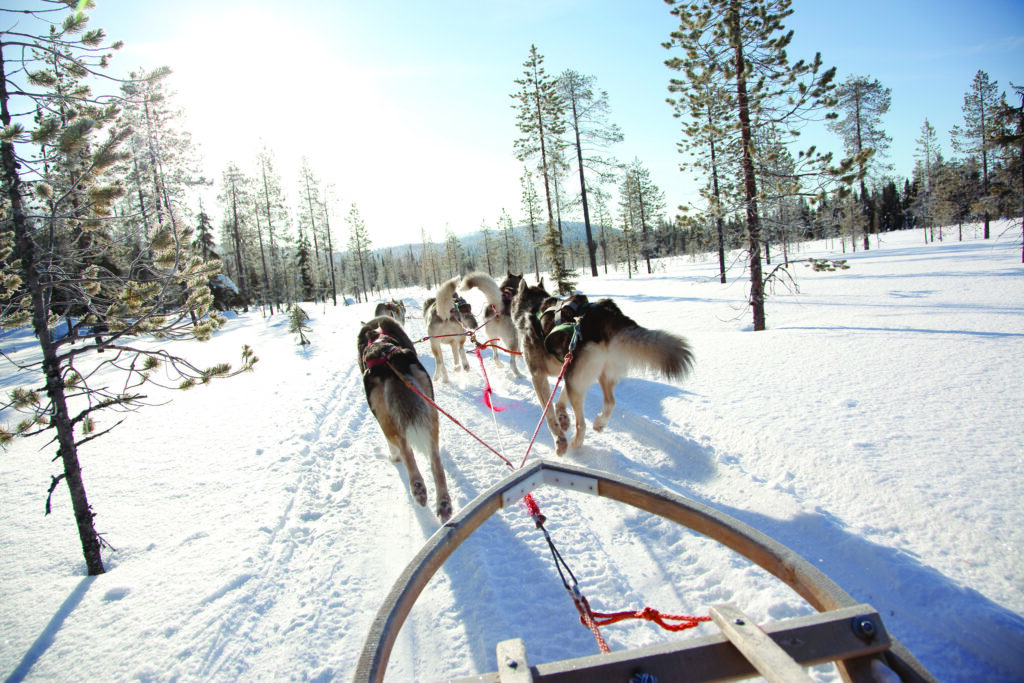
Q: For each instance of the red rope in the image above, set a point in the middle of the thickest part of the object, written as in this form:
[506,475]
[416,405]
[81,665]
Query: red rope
[547,407]
[652,615]
[487,382]
[441,410]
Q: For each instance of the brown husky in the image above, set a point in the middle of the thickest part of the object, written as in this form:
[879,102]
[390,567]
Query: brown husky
[498,315]
[606,345]
[393,308]
[406,419]
[448,317]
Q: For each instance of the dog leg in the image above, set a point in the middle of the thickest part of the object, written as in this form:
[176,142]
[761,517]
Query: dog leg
[461,346]
[417,486]
[561,411]
[608,389]
[543,389]
[512,364]
[576,398]
[440,372]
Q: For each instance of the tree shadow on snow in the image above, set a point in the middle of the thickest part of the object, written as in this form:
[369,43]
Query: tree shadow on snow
[49,634]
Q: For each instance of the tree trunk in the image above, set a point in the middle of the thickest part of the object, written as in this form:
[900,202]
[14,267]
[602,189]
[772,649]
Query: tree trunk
[591,248]
[66,447]
[749,180]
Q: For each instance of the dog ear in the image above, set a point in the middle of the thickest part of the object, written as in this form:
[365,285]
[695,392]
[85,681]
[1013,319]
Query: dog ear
[540,283]
[522,287]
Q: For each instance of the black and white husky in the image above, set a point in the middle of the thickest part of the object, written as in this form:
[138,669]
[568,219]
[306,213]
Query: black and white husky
[448,317]
[608,346]
[498,314]
[407,420]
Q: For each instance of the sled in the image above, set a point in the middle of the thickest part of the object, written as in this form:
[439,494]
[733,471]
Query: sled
[849,634]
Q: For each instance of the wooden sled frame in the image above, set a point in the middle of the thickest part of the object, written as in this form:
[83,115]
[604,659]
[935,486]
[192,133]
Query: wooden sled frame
[806,580]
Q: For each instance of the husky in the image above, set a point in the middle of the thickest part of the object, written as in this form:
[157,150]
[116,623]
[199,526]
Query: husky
[393,308]
[498,314]
[605,343]
[406,419]
[446,314]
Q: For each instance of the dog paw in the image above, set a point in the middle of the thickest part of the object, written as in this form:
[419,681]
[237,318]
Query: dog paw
[600,424]
[561,446]
[563,420]
[419,492]
[444,509]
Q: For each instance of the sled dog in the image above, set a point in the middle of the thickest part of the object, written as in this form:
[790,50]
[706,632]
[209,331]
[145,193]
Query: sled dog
[406,419]
[393,308]
[609,345]
[498,314]
[444,314]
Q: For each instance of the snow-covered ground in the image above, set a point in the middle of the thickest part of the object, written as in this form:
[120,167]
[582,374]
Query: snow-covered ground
[875,428]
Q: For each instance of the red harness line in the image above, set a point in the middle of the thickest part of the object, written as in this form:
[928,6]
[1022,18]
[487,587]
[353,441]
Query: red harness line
[441,410]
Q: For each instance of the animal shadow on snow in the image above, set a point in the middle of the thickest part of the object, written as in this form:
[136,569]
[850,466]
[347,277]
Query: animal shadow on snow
[640,417]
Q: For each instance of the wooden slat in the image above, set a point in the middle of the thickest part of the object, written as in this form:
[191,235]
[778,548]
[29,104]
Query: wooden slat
[770,660]
[512,664]
[809,640]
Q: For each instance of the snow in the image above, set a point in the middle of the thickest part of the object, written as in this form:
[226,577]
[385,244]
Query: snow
[874,428]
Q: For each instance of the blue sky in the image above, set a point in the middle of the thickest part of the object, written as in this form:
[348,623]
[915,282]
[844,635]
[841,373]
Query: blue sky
[404,106]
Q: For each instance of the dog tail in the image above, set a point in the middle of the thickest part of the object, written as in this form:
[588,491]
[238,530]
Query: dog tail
[486,284]
[445,298]
[656,350]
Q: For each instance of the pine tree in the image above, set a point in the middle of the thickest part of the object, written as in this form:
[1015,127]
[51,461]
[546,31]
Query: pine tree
[304,267]
[298,323]
[273,210]
[530,203]
[539,119]
[750,36]
[928,156]
[863,101]
[587,112]
[646,203]
[236,201]
[1009,139]
[980,127]
[54,240]
[511,246]
[703,105]
[359,250]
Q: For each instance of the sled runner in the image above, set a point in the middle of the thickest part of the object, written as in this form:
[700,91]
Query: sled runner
[844,632]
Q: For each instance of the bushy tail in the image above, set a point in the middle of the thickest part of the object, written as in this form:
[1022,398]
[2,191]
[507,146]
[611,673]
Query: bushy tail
[445,297]
[486,284]
[656,350]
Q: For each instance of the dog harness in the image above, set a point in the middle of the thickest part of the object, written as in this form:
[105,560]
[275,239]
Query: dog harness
[381,360]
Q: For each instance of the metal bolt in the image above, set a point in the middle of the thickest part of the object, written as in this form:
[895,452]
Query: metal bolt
[865,628]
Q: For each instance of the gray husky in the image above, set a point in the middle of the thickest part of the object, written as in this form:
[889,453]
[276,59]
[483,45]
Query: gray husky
[406,419]
[498,314]
[448,317]
[393,308]
[608,344]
